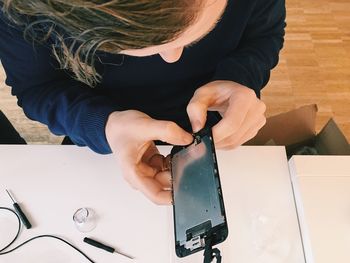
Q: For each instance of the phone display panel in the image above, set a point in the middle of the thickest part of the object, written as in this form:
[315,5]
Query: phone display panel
[199,211]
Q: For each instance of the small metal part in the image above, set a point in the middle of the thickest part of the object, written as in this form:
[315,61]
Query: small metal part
[197,139]
[10,195]
[214,157]
[123,254]
[195,243]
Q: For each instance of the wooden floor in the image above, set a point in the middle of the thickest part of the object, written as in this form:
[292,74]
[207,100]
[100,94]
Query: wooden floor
[315,62]
[314,68]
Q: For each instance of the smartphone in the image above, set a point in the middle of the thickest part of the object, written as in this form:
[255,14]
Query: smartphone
[198,205]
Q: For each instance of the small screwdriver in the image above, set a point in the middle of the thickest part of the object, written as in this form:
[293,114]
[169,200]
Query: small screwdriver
[20,213]
[104,247]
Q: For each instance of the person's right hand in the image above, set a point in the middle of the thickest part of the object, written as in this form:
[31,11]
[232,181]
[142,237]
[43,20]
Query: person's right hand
[130,135]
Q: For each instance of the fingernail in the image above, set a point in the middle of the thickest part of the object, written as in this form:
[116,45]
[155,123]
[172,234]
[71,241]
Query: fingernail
[196,126]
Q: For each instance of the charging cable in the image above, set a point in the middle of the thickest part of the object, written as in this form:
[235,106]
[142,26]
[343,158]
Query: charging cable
[4,251]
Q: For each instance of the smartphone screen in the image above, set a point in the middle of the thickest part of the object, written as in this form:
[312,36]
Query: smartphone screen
[198,203]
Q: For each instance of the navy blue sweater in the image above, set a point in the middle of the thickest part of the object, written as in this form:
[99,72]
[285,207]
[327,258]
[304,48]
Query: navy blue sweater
[243,48]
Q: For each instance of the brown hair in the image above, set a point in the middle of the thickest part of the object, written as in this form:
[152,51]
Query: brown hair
[106,25]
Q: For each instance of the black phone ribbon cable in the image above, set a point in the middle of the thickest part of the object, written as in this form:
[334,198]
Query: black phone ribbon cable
[210,253]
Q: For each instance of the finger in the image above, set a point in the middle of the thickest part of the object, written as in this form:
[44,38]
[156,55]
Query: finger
[140,178]
[161,172]
[157,161]
[144,169]
[154,191]
[232,120]
[239,139]
[162,167]
[242,140]
[197,113]
[167,163]
[238,123]
[151,151]
[236,138]
[203,99]
[164,178]
[168,132]
[153,158]
[150,187]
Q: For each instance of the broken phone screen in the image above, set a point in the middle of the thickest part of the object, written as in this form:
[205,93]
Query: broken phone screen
[199,211]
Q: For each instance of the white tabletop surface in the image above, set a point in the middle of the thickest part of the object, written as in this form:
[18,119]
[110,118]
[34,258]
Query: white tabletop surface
[322,191]
[51,182]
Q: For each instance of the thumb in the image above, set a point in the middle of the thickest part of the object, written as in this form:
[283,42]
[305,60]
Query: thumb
[168,132]
[197,113]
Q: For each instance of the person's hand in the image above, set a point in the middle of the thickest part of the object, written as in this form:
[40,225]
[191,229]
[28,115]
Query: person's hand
[243,113]
[130,135]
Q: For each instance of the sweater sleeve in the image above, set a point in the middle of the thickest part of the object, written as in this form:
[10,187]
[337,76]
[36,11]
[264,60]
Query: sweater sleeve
[49,95]
[257,53]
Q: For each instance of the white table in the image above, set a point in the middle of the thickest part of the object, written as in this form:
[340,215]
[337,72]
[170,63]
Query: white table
[322,192]
[51,182]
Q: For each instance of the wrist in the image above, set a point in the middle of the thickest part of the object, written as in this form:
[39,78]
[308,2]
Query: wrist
[111,128]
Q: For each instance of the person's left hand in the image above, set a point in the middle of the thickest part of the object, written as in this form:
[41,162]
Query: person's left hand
[243,113]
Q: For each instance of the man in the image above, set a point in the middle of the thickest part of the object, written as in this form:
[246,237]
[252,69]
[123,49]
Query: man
[158,67]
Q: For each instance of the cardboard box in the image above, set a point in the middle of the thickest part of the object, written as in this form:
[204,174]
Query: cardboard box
[296,130]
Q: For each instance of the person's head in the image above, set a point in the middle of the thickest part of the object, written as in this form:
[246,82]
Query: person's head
[130,27]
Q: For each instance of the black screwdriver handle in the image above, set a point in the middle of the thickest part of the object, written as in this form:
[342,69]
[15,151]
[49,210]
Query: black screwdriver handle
[98,245]
[22,216]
